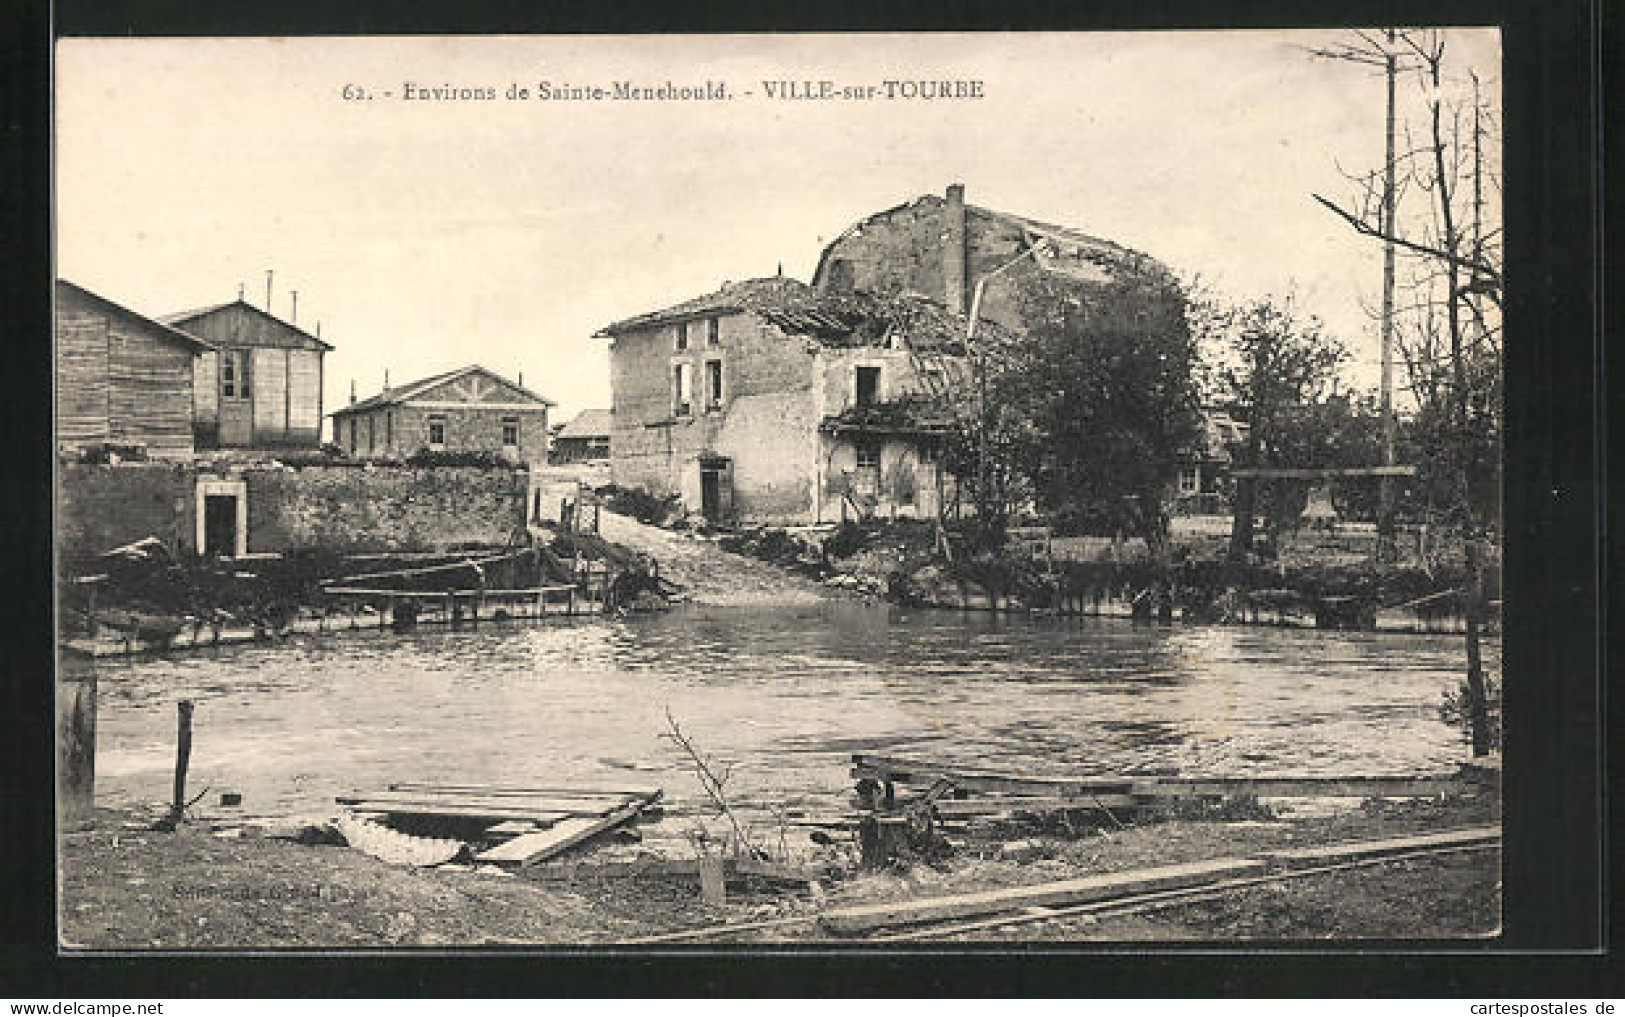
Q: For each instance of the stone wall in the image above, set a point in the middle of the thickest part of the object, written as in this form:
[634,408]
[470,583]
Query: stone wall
[102,507]
[400,431]
[386,508]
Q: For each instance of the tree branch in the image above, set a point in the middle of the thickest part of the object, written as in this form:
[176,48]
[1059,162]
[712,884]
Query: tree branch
[1492,277]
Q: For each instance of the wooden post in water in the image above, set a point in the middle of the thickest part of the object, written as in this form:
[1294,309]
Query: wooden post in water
[76,739]
[183,756]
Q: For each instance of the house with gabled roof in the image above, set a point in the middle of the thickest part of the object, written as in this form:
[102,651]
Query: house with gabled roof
[122,378]
[260,386]
[471,409]
[584,439]
[768,401]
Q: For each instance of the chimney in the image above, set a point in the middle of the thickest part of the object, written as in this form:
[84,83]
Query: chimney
[239,293]
[521,379]
[953,249]
[294,314]
[386,379]
[352,391]
[268,290]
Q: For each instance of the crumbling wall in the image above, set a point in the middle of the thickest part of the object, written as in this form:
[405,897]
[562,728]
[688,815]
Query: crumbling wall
[384,508]
[100,507]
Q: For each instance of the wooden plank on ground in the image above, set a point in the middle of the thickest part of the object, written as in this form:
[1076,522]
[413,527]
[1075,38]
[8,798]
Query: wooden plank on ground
[1333,853]
[852,921]
[511,828]
[542,843]
[503,790]
[1302,786]
[899,771]
[1033,803]
[531,848]
[454,811]
[591,806]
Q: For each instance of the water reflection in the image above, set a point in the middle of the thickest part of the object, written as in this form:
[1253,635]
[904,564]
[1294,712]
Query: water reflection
[786,695]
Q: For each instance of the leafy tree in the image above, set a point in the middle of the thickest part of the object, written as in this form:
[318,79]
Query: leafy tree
[1274,371]
[1098,400]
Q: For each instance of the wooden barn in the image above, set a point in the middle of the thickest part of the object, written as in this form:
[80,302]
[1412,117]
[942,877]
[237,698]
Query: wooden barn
[262,387]
[122,378]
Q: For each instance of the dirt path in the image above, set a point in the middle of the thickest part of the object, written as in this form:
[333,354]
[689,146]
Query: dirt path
[708,574]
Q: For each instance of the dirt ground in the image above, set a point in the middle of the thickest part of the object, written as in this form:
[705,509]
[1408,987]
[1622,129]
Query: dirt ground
[709,574]
[129,888]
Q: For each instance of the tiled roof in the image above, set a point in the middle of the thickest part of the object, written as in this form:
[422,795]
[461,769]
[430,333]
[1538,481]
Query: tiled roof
[588,424]
[397,394]
[857,319]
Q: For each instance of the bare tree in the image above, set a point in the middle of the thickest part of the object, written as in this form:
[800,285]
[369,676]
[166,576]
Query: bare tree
[1453,348]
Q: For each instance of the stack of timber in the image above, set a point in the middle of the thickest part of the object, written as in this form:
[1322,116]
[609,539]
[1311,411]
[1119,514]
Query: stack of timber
[512,826]
[957,793]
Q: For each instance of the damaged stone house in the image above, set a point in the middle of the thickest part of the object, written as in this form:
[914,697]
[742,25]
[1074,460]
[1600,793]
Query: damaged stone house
[768,401]
[773,401]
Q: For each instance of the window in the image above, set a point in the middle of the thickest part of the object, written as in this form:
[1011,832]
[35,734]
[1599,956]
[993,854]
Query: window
[234,374]
[713,331]
[510,432]
[1189,480]
[372,435]
[682,386]
[682,336]
[868,456]
[713,384]
[868,386]
[389,430]
[352,435]
[437,432]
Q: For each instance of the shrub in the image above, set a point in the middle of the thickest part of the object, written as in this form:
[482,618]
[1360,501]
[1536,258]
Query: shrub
[488,460]
[848,539]
[646,508]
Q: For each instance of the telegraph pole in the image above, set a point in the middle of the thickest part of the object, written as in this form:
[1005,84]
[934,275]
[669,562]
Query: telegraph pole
[1385,57]
[1385,509]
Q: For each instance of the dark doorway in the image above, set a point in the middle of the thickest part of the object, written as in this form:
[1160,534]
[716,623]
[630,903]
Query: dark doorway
[219,525]
[716,490]
[868,386]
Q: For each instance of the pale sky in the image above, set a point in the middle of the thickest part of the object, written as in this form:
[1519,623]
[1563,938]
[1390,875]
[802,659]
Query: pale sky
[425,235]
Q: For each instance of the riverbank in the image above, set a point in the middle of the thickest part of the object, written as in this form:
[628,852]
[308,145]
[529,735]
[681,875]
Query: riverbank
[124,887]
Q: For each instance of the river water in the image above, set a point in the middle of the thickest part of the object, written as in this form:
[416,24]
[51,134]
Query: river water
[785,695]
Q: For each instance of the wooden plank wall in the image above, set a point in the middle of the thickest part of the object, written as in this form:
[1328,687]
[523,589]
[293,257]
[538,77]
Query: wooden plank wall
[120,380]
[81,374]
[269,395]
[304,396]
[206,388]
[150,390]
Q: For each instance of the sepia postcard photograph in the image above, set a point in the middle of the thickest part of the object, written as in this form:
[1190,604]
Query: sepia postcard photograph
[833,490]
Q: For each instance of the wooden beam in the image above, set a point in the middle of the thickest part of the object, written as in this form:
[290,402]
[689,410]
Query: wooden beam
[501,789]
[1320,472]
[851,921]
[572,806]
[532,848]
[1334,853]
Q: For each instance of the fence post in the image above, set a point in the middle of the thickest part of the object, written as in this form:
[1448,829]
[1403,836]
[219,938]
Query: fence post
[76,739]
[183,756]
